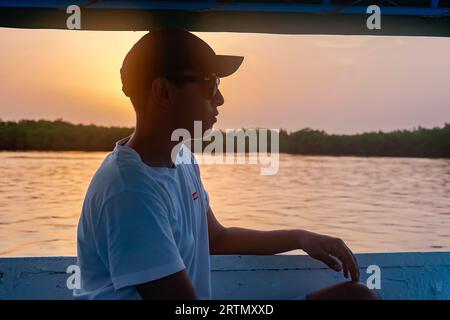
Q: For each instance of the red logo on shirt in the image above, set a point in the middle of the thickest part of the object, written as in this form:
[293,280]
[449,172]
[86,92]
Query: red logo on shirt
[195,195]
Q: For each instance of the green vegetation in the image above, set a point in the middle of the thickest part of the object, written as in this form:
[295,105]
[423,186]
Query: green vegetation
[60,135]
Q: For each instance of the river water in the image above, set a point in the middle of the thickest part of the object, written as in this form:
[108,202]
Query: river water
[374,204]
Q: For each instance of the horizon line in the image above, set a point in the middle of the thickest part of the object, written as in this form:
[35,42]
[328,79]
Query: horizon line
[415,128]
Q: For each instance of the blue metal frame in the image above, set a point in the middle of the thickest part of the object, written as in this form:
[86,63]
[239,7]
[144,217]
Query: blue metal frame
[323,17]
[215,6]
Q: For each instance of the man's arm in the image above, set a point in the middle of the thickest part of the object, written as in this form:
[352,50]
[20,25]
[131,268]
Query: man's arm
[177,286]
[236,240]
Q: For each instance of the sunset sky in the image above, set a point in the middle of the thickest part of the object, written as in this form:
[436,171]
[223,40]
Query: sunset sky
[341,84]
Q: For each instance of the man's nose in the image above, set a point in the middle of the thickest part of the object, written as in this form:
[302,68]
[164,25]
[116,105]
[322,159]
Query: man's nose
[218,98]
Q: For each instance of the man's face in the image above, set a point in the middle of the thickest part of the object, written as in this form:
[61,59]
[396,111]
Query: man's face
[193,101]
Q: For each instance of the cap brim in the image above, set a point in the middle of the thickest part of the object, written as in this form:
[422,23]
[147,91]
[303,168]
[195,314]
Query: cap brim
[226,65]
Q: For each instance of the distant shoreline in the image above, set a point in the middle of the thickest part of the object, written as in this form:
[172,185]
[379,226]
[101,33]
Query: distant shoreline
[59,135]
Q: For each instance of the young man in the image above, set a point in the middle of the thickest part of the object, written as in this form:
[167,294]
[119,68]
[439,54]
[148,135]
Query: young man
[146,228]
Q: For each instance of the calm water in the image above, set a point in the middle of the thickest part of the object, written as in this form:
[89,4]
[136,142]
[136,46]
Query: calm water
[375,204]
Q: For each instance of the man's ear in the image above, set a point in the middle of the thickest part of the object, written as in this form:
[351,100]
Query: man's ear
[160,91]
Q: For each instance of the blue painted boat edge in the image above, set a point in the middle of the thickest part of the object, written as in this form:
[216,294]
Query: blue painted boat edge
[285,261]
[405,275]
[303,262]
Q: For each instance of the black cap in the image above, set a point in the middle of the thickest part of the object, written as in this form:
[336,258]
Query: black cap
[164,52]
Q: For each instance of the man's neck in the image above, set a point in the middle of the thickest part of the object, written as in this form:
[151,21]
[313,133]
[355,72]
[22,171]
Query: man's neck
[154,147]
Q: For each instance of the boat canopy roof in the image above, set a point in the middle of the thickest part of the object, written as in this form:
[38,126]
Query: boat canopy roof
[337,17]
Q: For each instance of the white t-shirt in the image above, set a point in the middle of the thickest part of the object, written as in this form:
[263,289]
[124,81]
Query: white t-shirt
[142,223]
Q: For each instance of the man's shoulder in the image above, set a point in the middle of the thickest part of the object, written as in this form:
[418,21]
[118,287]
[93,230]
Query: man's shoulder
[118,174]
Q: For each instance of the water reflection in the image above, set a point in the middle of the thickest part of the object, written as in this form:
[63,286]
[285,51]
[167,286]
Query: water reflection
[375,204]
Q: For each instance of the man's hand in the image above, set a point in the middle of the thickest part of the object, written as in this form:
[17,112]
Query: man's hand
[327,249]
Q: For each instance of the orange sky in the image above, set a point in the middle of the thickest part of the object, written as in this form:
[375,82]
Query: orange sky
[341,84]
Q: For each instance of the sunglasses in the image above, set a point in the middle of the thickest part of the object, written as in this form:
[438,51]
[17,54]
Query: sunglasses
[209,83]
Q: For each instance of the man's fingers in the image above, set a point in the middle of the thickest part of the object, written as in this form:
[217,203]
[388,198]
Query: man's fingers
[347,258]
[329,261]
[345,270]
[356,262]
[355,267]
